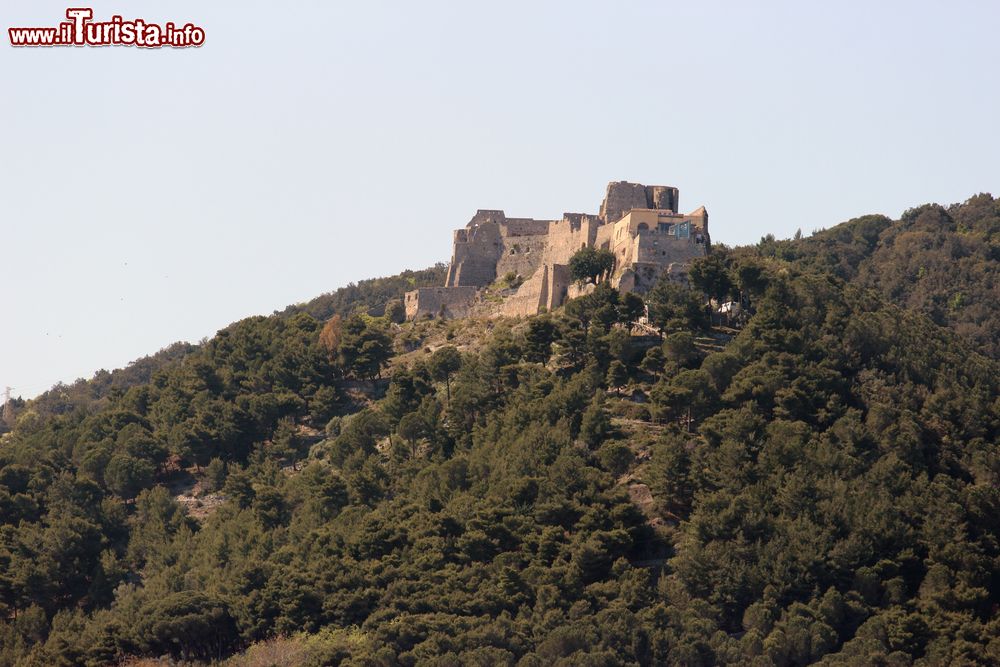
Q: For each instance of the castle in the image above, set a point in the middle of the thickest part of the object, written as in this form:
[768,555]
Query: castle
[639,224]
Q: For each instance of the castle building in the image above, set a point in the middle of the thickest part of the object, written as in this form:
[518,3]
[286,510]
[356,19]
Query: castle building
[639,224]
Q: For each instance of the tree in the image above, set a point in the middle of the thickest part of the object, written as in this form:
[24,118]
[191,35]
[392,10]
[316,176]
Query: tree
[395,311]
[617,376]
[411,429]
[751,278]
[686,397]
[359,434]
[126,475]
[286,443]
[325,490]
[191,442]
[364,348]
[679,349]
[406,389]
[588,264]
[330,335]
[572,344]
[541,333]
[269,506]
[187,625]
[652,362]
[323,403]
[595,425]
[215,475]
[675,306]
[630,309]
[239,487]
[615,457]
[443,363]
[711,275]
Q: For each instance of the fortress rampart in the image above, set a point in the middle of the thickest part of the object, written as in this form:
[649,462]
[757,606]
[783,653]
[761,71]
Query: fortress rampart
[638,223]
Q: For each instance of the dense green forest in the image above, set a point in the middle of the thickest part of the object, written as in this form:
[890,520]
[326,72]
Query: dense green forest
[371,296]
[819,485]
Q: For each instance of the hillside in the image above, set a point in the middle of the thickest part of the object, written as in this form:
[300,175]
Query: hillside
[820,486]
[940,261]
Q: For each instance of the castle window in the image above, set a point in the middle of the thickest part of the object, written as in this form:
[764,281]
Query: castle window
[643,227]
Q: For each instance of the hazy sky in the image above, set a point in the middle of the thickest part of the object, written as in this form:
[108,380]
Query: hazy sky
[149,196]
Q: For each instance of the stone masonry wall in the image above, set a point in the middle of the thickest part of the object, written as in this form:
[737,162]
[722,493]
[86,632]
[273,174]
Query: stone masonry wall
[622,197]
[529,296]
[635,223]
[546,289]
[559,282]
[568,235]
[526,227]
[434,301]
[522,255]
[477,252]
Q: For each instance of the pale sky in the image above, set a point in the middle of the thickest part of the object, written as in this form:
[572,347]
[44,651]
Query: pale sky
[150,196]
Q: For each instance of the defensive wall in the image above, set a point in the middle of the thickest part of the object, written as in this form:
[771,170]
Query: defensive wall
[638,224]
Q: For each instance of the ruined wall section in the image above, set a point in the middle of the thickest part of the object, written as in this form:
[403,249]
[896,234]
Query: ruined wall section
[559,282]
[477,251]
[662,197]
[546,289]
[439,301]
[522,255]
[566,236]
[524,244]
[622,197]
[525,227]
[530,296]
[639,224]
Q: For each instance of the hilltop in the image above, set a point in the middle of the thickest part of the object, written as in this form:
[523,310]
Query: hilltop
[815,481]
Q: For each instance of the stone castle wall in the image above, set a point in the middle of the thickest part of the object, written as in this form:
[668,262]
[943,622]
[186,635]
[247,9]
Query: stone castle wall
[526,227]
[477,252]
[522,255]
[545,290]
[639,224]
[622,197]
[530,296]
[568,235]
[434,301]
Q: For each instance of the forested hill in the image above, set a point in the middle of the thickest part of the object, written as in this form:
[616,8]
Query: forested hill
[372,296]
[943,262]
[818,486]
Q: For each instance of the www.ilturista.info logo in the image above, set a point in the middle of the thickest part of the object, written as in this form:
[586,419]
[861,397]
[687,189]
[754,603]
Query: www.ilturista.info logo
[81,30]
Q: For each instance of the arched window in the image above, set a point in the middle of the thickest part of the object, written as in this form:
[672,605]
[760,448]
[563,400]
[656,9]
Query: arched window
[643,227]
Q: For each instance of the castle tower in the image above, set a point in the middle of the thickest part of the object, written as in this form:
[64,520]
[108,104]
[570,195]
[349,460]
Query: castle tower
[621,197]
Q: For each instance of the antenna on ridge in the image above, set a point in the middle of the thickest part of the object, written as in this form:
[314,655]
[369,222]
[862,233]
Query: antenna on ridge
[8,408]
